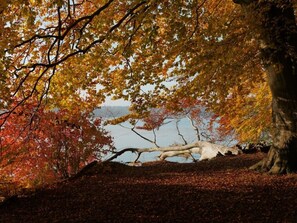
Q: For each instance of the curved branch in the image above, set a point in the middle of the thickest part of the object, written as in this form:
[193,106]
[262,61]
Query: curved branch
[196,129]
[117,154]
[179,133]
[58,61]
[91,45]
[145,138]
[89,18]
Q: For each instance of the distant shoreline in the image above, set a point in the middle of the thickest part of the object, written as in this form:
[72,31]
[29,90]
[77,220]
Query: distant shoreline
[111,111]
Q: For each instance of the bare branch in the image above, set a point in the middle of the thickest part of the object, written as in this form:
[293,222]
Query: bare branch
[179,133]
[145,138]
[88,18]
[57,61]
[196,129]
[197,18]
[120,153]
[91,45]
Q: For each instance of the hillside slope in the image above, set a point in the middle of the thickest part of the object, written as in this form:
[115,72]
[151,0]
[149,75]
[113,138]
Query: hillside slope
[220,190]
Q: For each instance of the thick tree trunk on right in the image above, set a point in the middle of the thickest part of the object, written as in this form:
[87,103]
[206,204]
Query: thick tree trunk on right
[276,24]
[282,157]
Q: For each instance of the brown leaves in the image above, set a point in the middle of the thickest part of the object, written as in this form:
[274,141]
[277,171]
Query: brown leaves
[220,190]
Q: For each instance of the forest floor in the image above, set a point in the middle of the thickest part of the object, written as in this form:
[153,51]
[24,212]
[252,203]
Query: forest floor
[219,190]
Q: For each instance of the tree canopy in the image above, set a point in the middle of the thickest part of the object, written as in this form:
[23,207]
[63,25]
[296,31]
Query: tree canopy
[75,53]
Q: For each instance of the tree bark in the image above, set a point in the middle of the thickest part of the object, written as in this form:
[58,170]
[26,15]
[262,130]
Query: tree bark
[275,22]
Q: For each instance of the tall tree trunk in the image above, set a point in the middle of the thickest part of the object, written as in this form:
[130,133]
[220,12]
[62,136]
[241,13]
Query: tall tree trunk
[275,22]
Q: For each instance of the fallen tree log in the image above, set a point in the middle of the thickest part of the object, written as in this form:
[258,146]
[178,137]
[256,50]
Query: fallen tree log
[205,149]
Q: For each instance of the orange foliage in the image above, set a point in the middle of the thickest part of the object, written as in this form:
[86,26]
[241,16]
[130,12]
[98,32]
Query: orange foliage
[250,116]
[156,54]
[41,146]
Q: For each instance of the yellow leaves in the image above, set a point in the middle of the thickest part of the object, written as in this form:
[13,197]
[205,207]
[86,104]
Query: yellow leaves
[3,5]
[202,50]
[59,3]
[30,20]
[131,117]
[250,113]
[33,2]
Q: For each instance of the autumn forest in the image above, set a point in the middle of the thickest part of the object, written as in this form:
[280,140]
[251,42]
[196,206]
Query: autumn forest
[234,60]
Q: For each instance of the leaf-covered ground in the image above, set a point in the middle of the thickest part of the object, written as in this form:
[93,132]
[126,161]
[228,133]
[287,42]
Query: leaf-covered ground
[220,190]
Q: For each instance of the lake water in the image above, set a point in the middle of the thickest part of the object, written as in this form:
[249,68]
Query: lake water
[166,135]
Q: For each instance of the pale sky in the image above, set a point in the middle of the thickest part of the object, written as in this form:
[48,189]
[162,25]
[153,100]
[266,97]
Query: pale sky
[120,102]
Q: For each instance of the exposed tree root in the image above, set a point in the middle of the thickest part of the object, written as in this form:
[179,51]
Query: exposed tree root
[276,162]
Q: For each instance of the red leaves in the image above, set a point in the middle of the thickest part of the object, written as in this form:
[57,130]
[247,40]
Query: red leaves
[207,125]
[155,119]
[40,146]
[97,122]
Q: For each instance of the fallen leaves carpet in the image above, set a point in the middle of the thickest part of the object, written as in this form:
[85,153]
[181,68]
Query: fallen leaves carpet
[219,190]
